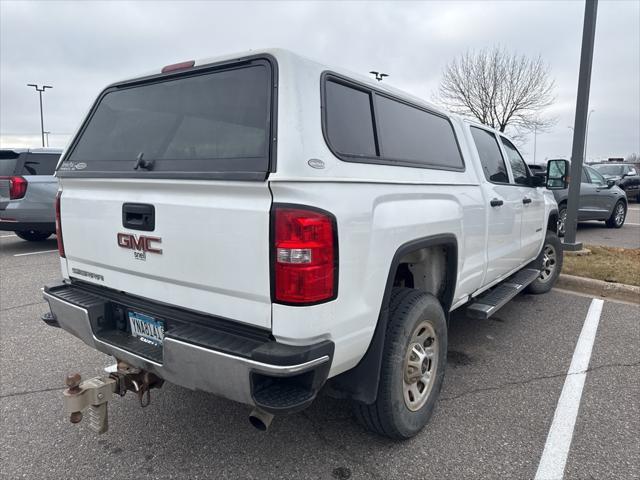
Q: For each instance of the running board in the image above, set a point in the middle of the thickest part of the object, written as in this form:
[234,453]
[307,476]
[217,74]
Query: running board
[491,301]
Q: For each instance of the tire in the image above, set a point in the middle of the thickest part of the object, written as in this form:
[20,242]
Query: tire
[618,215]
[562,220]
[402,408]
[549,262]
[34,235]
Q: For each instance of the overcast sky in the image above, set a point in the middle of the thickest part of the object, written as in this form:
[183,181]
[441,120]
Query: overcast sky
[79,47]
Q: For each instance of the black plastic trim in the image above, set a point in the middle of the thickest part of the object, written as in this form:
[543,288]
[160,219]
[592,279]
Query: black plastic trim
[272,256]
[361,382]
[272,63]
[380,159]
[24,226]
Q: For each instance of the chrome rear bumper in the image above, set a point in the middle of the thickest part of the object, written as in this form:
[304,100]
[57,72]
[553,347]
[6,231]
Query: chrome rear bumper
[192,366]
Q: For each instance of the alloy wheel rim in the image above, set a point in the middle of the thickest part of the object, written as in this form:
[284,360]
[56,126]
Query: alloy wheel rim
[562,220]
[619,218]
[420,366]
[549,262]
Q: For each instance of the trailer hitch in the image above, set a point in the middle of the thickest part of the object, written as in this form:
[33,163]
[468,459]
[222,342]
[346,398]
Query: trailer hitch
[94,394]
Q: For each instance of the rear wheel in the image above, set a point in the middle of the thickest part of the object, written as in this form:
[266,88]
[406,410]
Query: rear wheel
[413,365]
[549,263]
[562,220]
[34,235]
[616,220]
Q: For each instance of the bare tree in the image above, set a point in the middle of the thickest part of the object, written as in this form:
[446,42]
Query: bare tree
[499,88]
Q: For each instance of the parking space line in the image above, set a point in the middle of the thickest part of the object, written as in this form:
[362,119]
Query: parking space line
[556,449]
[629,223]
[7,236]
[34,253]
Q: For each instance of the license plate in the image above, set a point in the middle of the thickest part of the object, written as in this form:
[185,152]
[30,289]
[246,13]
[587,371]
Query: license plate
[146,328]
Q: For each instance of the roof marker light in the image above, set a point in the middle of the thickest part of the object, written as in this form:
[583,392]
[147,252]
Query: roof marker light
[178,66]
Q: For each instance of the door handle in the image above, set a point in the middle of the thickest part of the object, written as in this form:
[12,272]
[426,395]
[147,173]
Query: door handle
[139,216]
[526,200]
[496,202]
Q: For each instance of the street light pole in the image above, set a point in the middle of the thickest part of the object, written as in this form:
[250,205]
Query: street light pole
[579,126]
[586,135]
[40,90]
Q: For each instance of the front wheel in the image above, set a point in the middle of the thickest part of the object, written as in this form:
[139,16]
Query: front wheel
[549,263]
[616,220]
[413,364]
[34,235]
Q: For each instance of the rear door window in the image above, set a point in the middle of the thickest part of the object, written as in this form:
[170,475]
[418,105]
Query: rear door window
[216,121]
[39,163]
[493,166]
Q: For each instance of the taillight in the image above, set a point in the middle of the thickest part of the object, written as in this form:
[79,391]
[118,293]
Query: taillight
[17,187]
[305,255]
[59,225]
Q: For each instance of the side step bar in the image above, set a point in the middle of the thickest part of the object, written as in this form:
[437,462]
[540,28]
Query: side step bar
[491,301]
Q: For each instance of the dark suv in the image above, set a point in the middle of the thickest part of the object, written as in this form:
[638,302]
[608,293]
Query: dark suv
[28,192]
[625,175]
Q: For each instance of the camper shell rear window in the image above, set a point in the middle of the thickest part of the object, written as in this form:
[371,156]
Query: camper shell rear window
[209,122]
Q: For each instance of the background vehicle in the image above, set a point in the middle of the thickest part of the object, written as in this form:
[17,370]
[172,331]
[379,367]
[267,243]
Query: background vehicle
[600,199]
[246,226]
[28,191]
[625,175]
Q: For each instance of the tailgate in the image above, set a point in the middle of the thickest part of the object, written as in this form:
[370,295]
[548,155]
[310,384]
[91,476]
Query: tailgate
[208,251]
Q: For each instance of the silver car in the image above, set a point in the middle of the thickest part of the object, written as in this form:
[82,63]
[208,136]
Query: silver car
[600,199]
[28,191]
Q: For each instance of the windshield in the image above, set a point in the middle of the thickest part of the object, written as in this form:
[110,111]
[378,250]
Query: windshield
[609,169]
[212,122]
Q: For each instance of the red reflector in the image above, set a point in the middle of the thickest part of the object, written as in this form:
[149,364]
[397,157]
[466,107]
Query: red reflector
[59,225]
[178,66]
[305,256]
[17,187]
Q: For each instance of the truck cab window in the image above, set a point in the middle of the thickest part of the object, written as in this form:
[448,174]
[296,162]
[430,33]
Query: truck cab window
[491,158]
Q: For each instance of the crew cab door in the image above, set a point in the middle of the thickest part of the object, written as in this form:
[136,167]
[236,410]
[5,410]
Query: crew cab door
[533,218]
[504,208]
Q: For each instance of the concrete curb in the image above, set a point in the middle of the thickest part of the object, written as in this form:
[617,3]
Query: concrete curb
[599,288]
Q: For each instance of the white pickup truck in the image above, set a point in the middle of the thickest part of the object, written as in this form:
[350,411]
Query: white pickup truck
[262,226]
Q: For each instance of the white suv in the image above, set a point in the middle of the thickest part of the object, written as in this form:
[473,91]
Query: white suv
[261,226]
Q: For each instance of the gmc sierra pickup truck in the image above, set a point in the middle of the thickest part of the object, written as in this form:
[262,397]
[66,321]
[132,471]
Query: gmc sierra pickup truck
[262,226]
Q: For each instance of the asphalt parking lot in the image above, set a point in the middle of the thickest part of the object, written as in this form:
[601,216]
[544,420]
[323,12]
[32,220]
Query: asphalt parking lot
[504,379]
[597,233]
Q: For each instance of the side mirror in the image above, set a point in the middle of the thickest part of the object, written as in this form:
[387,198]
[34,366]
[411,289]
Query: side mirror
[557,174]
[611,183]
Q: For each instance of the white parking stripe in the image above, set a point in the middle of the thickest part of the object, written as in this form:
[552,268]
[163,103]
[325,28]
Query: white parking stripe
[34,253]
[556,450]
[7,236]
[634,224]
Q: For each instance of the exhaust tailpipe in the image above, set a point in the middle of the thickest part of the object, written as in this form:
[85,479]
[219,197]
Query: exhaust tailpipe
[261,420]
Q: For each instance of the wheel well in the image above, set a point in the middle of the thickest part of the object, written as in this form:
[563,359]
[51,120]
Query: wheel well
[428,264]
[425,269]
[552,224]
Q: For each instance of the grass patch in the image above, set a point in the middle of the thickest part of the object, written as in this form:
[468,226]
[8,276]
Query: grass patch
[621,265]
